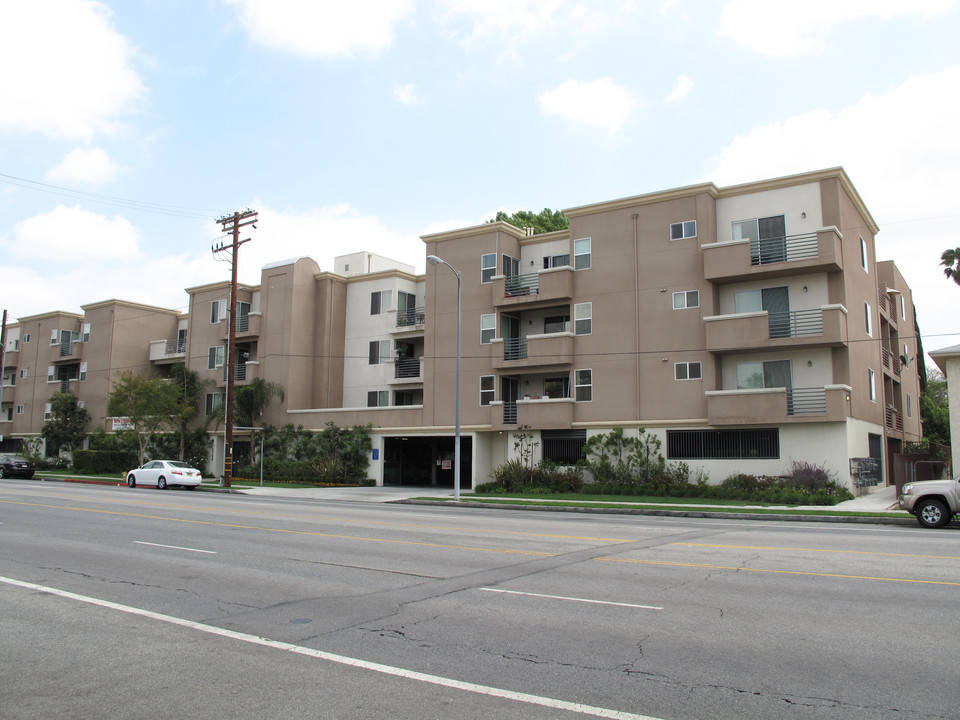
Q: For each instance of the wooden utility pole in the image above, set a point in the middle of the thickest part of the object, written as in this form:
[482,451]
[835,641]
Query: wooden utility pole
[231,224]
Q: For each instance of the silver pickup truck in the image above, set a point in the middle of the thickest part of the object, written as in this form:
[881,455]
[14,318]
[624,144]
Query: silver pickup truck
[933,502]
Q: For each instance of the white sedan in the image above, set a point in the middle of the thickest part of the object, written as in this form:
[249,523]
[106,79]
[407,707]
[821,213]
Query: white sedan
[163,473]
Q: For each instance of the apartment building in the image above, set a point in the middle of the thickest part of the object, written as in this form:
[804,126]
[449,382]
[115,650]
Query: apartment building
[745,326]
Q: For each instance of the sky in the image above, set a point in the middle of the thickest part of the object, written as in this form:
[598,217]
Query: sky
[127,127]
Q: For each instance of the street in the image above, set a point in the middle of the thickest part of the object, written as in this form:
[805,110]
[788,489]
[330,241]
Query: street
[137,603]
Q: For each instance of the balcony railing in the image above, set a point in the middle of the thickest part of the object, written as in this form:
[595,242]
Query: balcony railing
[411,317]
[509,413]
[520,285]
[882,300]
[806,401]
[243,323]
[894,419]
[890,360]
[514,348]
[783,249]
[406,368]
[799,323]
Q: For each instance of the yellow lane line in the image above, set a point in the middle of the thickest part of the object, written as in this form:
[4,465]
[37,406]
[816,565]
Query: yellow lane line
[779,572]
[817,550]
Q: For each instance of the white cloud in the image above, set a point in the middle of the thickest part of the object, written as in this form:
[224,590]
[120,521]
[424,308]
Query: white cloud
[406,94]
[681,89]
[324,29]
[68,73]
[601,104]
[90,165]
[901,150]
[69,235]
[786,29]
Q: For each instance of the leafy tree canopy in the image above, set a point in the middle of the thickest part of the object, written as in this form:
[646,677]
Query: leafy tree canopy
[251,400]
[935,409]
[67,423]
[545,221]
[152,404]
[950,259]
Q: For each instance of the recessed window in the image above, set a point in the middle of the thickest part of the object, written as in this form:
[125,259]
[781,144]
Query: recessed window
[767,236]
[687,371]
[863,255]
[50,373]
[215,357]
[380,301]
[487,389]
[903,308]
[686,299]
[581,254]
[378,398]
[379,352]
[26,337]
[909,406]
[769,374]
[872,380]
[19,409]
[488,328]
[556,324]
[23,372]
[552,261]
[86,333]
[83,371]
[868,317]
[557,387]
[47,411]
[583,318]
[583,385]
[213,402]
[218,310]
[683,230]
[54,337]
[488,267]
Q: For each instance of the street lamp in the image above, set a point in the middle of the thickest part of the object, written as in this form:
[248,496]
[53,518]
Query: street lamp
[434,260]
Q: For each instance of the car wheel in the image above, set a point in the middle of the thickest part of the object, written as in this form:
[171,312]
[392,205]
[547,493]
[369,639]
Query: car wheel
[161,483]
[932,514]
[131,481]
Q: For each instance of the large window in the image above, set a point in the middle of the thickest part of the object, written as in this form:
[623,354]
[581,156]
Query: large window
[380,301]
[488,328]
[511,266]
[767,236]
[487,389]
[215,357]
[583,318]
[563,447]
[581,254]
[218,310]
[488,267]
[379,352]
[758,444]
[583,385]
[769,374]
[552,261]
[686,299]
[378,398]
[212,402]
[687,371]
[557,387]
[683,230]
[556,324]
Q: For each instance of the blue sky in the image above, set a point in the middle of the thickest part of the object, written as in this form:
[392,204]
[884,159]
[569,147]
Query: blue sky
[128,126]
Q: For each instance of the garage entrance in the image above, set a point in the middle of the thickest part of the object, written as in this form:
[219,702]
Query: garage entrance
[426,461]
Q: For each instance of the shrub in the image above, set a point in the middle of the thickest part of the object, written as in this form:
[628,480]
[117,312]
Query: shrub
[95,462]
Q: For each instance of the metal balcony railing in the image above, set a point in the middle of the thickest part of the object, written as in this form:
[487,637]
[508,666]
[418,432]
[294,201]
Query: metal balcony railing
[784,249]
[243,323]
[515,349]
[894,419]
[806,401]
[411,317]
[406,368]
[519,285]
[509,413]
[890,360]
[801,323]
[175,347]
[66,349]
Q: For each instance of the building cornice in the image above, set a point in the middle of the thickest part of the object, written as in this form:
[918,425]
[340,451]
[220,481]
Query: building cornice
[484,229]
[646,199]
[129,304]
[46,315]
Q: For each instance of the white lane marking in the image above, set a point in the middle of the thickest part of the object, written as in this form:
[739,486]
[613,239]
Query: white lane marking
[175,547]
[583,600]
[342,659]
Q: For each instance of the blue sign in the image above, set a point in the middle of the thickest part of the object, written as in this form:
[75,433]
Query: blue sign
[376,453]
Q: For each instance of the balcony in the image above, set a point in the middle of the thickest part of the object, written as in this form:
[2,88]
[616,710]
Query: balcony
[407,370]
[894,419]
[539,414]
[247,326]
[777,405]
[534,289]
[777,257]
[534,351]
[243,372]
[67,351]
[411,319]
[891,363]
[167,351]
[823,327]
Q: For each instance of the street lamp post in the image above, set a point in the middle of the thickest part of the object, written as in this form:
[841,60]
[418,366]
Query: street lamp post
[434,260]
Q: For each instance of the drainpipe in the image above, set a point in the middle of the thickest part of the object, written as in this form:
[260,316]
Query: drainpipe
[636,291]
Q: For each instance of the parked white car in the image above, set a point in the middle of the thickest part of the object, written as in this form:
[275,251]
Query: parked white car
[163,473]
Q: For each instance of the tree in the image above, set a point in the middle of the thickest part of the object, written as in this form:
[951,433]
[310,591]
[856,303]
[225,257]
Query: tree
[191,389]
[935,409]
[251,400]
[950,259]
[67,423]
[545,221]
[151,403]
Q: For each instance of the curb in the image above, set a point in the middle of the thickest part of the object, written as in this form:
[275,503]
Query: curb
[672,513]
[121,483]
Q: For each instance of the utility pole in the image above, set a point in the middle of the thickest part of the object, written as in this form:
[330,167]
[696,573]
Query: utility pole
[231,224]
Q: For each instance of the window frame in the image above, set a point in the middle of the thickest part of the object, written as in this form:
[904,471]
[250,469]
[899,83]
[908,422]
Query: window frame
[872,384]
[685,295]
[378,395]
[578,320]
[488,395]
[218,311]
[21,409]
[487,272]
[83,371]
[26,337]
[578,385]
[85,333]
[488,317]
[687,365]
[382,357]
[868,314]
[212,402]
[380,301]
[553,261]
[683,226]
[864,257]
[215,354]
[578,262]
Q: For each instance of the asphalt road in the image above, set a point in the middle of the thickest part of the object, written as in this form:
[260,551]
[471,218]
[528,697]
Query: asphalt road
[120,603]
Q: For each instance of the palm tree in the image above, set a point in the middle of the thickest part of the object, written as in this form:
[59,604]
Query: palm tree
[251,400]
[951,262]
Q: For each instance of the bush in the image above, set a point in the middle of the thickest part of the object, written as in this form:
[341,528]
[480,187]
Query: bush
[96,462]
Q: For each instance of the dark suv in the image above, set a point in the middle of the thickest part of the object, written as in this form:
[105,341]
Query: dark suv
[16,466]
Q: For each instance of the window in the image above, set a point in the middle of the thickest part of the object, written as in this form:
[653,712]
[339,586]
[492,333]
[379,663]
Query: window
[909,406]
[903,309]
[50,373]
[54,337]
[583,385]
[86,333]
[8,414]
[19,409]
[581,254]
[47,411]
[687,371]
[23,372]
[81,403]
[16,344]
[683,230]
[769,374]
[218,310]
[379,352]
[212,402]
[487,389]
[215,357]
[557,387]
[686,299]
[556,324]
[380,301]
[767,236]
[378,398]
[872,380]
[26,337]
[83,371]
[511,266]
[583,318]
[406,301]
[488,328]
[488,267]
[868,316]
[763,443]
[404,397]
[863,254]
[563,447]
[552,261]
